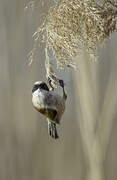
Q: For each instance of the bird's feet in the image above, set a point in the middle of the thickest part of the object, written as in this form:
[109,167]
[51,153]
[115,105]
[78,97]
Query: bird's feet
[50,84]
[61,83]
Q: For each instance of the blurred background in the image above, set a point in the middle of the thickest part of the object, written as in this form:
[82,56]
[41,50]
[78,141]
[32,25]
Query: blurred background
[26,151]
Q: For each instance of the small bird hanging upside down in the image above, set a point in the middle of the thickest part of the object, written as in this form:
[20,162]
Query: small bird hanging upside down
[50,104]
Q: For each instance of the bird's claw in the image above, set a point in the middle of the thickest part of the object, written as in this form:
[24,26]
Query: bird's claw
[50,83]
[60,82]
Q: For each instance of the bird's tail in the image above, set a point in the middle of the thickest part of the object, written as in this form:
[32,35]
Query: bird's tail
[52,131]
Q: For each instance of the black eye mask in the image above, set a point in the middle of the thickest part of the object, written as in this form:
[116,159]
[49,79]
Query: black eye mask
[41,86]
[44,86]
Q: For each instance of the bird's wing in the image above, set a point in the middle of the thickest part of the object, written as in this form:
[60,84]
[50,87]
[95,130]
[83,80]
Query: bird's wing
[49,113]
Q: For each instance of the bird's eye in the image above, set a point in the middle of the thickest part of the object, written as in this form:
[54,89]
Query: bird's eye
[44,87]
[35,87]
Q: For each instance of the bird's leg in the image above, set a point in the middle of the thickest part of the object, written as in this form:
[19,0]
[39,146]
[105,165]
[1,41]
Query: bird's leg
[61,83]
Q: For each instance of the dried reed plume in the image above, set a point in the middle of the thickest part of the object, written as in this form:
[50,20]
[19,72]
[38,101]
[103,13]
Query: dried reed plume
[73,25]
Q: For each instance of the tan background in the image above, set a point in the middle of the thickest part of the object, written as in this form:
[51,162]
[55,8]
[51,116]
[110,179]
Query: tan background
[26,151]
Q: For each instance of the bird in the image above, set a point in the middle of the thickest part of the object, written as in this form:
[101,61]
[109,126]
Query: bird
[50,104]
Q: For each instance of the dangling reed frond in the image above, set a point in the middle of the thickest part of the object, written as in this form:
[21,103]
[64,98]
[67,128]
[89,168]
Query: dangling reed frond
[73,25]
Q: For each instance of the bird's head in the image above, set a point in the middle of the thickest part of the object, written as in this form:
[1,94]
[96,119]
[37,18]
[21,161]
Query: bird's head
[40,85]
